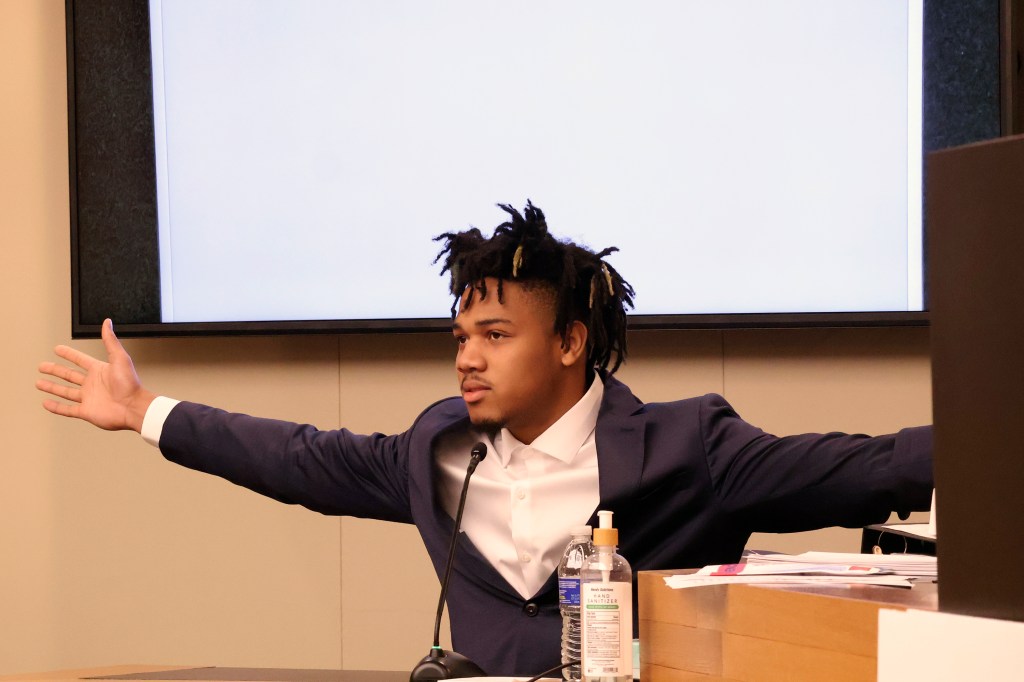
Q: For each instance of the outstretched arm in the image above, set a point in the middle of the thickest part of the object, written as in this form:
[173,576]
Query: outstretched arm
[106,394]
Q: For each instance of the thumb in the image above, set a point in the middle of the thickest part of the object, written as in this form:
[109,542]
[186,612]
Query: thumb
[110,342]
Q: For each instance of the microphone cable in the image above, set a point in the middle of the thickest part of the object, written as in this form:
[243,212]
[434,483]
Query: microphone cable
[551,671]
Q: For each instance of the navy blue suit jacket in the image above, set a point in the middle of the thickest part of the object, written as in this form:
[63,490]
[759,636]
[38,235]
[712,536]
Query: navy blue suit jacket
[689,481]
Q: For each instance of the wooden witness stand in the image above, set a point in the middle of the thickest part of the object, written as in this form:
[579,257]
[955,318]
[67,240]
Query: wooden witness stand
[746,633]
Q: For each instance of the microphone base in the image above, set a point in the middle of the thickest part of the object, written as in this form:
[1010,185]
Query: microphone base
[444,665]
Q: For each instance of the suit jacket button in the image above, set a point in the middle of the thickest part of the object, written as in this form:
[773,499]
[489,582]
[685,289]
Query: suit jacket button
[531,609]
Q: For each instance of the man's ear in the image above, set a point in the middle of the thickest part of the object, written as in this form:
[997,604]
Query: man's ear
[574,347]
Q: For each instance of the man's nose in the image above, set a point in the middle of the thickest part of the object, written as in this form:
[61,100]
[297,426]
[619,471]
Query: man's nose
[469,358]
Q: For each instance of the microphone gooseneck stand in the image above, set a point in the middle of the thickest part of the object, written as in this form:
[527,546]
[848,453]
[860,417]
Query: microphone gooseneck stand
[440,664]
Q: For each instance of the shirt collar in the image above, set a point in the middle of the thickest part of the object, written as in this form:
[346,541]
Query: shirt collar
[563,439]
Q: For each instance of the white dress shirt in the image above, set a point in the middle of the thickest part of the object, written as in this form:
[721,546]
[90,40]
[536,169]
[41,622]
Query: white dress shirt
[156,415]
[523,498]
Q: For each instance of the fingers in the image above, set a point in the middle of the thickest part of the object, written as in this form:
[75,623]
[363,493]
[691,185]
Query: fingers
[59,390]
[83,360]
[63,409]
[62,372]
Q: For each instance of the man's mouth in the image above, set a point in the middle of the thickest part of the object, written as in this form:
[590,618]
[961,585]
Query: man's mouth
[473,390]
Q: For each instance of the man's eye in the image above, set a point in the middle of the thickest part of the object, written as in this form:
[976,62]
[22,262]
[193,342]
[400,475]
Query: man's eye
[494,336]
[460,340]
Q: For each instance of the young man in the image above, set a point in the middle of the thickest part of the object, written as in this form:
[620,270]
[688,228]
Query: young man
[538,323]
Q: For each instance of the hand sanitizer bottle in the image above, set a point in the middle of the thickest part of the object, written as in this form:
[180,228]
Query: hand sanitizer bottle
[606,603]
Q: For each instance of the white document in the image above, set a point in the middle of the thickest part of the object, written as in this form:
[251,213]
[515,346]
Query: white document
[679,582]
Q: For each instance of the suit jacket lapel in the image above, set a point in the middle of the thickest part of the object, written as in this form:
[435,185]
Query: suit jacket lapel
[426,504]
[620,443]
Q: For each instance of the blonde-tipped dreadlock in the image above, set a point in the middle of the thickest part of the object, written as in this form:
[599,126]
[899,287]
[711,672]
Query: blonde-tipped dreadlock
[521,249]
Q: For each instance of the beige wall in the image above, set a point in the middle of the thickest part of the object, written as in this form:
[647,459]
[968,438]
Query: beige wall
[109,554]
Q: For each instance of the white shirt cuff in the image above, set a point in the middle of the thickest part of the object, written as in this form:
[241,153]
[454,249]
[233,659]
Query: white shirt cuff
[156,415]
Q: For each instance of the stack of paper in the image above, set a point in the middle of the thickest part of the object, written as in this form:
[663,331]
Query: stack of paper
[911,565]
[786,575]
[771,568]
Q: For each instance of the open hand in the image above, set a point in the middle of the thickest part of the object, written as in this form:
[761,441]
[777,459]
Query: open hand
[106,394]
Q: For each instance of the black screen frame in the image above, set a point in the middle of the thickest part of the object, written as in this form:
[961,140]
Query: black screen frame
[114,258]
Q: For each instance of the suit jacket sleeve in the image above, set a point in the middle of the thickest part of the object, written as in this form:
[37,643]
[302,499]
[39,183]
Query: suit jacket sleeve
[332,472]
[794,483]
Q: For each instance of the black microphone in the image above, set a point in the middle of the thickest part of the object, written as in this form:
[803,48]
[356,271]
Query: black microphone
[440,664]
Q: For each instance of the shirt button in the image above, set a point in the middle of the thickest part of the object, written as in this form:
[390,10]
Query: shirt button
[525,558]
[531,609]
[521,494]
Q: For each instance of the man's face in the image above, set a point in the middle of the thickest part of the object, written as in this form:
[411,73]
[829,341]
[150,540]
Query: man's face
[511,366]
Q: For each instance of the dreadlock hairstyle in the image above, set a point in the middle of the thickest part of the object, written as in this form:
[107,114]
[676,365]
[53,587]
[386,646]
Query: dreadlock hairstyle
[585,287]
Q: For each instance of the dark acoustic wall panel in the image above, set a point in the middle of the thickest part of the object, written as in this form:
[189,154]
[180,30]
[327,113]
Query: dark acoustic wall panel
[976,218]
[113,172]
[960,100]
[960,93]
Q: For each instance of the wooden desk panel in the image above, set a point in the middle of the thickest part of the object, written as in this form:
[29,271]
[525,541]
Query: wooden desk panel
[745,633]
[84,673]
